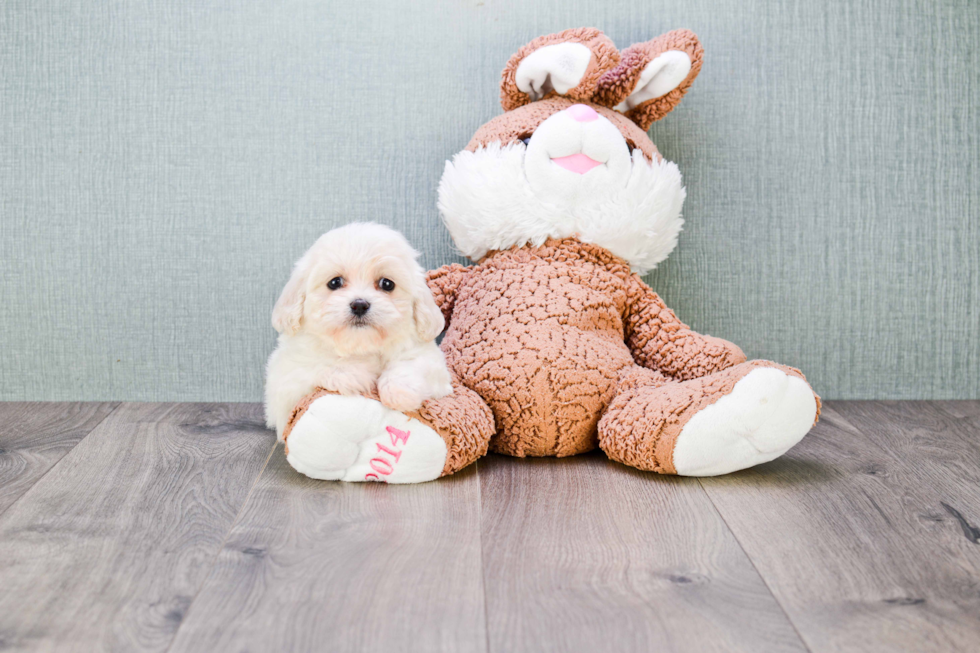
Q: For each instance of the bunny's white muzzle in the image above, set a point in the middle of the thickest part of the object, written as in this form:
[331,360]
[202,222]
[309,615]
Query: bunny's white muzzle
[577,158]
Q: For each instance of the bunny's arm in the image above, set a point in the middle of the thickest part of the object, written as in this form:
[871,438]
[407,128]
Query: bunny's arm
[660,341]
[444,282]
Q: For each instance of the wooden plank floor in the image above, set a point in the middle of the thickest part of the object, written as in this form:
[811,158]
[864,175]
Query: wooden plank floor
[175,527]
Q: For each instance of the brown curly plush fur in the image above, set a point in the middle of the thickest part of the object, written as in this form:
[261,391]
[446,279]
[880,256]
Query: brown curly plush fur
[521,123]
[619,82]
[555,337]
[610,77]
[604,58]
[462,420]
[641,425]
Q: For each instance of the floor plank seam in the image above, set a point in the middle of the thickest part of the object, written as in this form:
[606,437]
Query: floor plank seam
[839,416]
[861,528]
[765,582]
[901,463]
[67,453]
[221,547]
[970,532]
[483,564]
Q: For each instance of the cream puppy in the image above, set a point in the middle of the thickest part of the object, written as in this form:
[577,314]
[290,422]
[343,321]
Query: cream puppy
[356,316]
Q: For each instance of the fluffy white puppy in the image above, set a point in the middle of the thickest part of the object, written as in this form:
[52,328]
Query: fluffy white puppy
[356,316]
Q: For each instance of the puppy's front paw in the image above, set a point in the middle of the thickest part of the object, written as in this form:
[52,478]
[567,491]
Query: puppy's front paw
[399,397]
[345,383]
[443,390]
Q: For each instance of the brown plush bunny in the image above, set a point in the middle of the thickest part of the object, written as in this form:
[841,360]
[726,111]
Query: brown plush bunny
[555,343]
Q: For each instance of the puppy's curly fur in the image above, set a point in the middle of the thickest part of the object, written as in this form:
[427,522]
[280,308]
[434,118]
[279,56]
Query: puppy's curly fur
[356,317]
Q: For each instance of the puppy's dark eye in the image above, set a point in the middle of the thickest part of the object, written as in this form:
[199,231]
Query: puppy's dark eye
[336,283]
[386,285]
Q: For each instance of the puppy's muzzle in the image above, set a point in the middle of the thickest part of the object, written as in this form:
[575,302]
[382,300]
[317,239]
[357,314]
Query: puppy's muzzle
[359,307]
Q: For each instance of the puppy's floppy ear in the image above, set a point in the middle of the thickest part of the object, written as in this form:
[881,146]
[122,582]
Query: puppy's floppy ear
[652,77]
[287,315]
[429,321]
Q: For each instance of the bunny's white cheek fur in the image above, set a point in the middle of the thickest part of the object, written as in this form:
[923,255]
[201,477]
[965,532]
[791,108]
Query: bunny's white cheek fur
[489,203]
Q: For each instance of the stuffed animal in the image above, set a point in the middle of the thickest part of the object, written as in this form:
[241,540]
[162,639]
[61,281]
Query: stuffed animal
[555,343]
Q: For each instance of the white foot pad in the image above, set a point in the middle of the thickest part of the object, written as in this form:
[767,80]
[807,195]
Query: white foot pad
[357,439]
[765,414]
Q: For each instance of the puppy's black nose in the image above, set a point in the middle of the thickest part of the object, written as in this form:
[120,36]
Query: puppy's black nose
[359,307]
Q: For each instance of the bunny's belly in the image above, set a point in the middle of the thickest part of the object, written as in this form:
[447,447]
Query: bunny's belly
[546,357]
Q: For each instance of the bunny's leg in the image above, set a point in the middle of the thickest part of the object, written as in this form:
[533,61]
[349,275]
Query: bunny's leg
[742,416]
[344,438]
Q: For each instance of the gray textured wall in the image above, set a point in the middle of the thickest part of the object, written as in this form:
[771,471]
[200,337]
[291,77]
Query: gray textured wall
[164,162]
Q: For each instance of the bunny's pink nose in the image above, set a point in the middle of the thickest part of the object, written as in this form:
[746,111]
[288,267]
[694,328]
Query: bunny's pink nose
[582,113]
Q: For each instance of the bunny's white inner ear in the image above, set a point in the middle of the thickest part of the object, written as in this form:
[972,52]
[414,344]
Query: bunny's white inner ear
[558,68]
[660,77]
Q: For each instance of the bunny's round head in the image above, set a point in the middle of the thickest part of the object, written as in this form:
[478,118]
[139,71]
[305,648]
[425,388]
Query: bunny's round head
[570,157]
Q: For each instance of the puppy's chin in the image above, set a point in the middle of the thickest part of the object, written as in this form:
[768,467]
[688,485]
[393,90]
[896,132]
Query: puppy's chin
[358,338]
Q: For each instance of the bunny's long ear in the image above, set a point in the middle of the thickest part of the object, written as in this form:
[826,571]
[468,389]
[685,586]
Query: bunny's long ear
[568,63]
[652,77]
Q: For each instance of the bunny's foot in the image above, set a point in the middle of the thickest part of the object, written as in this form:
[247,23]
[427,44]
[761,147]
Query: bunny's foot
[342,438]
[737,418]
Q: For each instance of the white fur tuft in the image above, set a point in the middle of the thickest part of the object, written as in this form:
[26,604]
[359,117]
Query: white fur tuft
[487,204]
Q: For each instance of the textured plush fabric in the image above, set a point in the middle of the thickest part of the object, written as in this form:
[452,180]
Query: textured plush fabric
[537,332]
[641,426]
[462,420]
[615,85]
[522,121]
[605,56]
[548,336]
[164,162]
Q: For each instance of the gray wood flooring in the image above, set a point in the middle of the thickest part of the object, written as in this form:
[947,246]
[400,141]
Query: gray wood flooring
[180,527]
